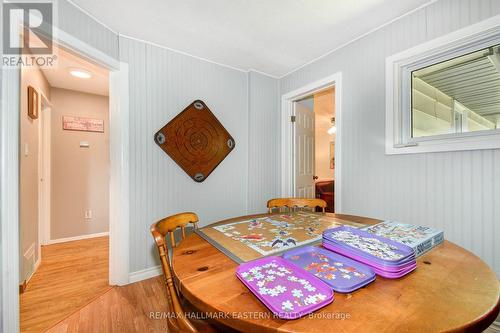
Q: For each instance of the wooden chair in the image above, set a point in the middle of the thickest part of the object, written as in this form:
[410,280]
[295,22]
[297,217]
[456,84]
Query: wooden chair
[295,204]
[177,321]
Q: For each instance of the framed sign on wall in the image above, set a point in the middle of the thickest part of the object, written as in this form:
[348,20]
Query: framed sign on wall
[71,123]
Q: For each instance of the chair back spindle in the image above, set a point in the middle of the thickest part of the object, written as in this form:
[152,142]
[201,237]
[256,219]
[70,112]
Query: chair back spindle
[177,321]
[295,204]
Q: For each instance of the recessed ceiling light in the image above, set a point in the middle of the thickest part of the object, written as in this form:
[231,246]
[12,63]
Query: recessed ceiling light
[80,73]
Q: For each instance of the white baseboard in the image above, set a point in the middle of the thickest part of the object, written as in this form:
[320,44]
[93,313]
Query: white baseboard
[37,264]
[70,239]
[29,259]
[144,274]
[30,252]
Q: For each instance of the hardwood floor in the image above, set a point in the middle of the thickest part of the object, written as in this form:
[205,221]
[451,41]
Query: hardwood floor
[122,309]
[70,276]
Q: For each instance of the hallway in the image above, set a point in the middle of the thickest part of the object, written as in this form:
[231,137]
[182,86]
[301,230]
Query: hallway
[70,276]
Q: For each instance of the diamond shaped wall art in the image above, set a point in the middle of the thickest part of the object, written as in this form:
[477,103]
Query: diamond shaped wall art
[195,140]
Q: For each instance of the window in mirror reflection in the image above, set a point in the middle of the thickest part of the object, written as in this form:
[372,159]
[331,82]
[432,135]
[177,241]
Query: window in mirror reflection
[457,96]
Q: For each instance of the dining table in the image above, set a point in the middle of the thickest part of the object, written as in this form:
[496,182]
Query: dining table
[452,290]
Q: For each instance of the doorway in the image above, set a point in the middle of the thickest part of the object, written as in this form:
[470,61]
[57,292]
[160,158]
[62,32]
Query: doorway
[64,171]
[315,132]
[10,155]
[311,142]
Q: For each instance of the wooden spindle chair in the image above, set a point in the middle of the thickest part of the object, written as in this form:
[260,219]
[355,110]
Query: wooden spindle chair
[295,204]
[177,321]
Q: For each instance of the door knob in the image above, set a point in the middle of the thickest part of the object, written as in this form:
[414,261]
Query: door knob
[315,177]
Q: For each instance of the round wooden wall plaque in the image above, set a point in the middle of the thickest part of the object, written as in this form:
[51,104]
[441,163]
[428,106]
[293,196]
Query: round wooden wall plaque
[195,140]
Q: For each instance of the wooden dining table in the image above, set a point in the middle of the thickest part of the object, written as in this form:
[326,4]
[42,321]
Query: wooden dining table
[451,290]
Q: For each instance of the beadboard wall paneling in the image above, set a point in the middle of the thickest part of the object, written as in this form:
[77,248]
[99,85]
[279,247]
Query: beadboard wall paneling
[9,194]
[458,192]
[264,149]
[162,84]
[1,173]
[73,21]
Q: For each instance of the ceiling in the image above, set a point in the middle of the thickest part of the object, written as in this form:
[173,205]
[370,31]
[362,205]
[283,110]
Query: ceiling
[274,37]
[59,76]
[324,103]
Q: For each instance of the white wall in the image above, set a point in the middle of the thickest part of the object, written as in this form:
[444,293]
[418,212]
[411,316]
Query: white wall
[162,84]
[28,170]
[79,25]
[1,173]
[419,188]
[458,192]
[80,176]
[264,148]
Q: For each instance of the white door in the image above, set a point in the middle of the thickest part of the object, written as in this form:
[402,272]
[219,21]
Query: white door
[304,152]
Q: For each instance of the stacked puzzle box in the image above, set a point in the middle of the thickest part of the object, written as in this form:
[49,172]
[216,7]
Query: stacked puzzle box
[420,238]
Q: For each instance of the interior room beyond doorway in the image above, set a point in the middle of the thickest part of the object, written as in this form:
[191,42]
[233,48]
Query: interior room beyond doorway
[315,156]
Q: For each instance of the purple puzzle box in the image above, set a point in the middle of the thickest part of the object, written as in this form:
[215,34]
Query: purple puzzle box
[339,272]
[287,290]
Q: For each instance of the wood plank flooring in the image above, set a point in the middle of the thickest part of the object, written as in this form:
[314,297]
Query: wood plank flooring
[122,309]
[70,276]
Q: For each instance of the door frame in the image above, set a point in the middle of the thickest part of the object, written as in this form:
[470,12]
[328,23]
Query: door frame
[44,132]
[288,134]
[9,168]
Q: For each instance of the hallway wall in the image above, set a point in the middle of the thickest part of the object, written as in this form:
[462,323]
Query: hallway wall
[28,172]
[80,176]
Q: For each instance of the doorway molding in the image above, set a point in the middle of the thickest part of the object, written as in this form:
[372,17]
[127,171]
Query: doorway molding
[9,164]
[44,181]
[288,134]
